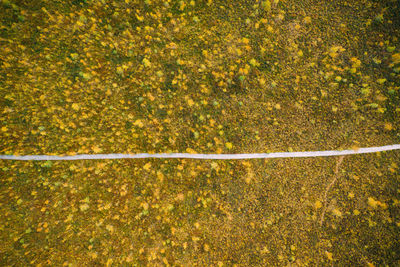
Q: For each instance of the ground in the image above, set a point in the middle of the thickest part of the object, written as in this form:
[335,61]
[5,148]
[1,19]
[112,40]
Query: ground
[201,76]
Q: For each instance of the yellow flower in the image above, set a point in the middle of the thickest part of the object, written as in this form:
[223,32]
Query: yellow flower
[307,20]
[396,58]
[337,213]
[75,106]
[381,81]
[190,102]
[138,123]
[190,151]
[96,149]
[146,63]
[147,166]
[254,62]
[329,255]
[110,228]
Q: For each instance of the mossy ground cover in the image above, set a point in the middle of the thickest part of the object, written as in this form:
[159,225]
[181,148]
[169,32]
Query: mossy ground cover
[199,76]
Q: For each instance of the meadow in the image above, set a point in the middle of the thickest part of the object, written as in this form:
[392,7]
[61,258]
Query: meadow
[200,76]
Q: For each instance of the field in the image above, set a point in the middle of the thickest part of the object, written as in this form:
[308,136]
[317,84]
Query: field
[200,76]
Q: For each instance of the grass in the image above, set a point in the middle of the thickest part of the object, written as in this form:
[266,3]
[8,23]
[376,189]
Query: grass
[213,77]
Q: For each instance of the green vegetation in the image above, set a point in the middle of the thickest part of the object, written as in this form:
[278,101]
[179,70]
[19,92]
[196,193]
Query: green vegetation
[203,76]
